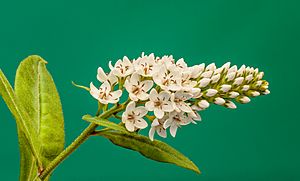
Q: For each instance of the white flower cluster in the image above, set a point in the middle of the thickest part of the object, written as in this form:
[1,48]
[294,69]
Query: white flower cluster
[173,91]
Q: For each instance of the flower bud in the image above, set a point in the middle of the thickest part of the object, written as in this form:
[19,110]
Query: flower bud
[233,94]
[230,76]
[245,87]
[204,82]
[215,78]
[207,74]
[203,104]
[230,105]
[255,93]
[219,101]
[232,69]
[249,78]
[243,99]
[238,81]
[225,88]
[211,66]
[266,92]
[211,92]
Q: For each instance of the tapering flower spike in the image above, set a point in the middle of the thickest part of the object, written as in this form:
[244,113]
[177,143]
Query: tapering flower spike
[173,92]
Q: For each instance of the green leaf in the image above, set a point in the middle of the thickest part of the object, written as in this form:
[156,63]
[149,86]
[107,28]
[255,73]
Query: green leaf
[28,136]
[37,93]
[155,150]
[104,122]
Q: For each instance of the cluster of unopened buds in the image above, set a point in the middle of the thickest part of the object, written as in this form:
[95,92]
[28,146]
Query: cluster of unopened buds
[169,94]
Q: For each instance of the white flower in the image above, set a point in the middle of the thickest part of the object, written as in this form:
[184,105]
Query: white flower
[105,94]
[168,80]
[122,68]
[136,88]
[230,76]
[133,117]
[145,65]
[175,120]
[159,103]
[186,82]
[178,99]
[102,77]
[157,126]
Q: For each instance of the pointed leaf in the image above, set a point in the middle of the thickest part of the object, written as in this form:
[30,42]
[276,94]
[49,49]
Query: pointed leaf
[103,122]
[29,136]
[155,150]
[37,93]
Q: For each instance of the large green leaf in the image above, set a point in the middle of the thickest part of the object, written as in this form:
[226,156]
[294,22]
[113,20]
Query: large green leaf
[37,93]
[28,136]
[155,150]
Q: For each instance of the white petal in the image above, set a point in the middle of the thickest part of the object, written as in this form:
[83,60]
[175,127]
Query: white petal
[173,129]
[151,133]
[164,95]
[101,76]
[167,123]
[167,107]
[111,66]
[149,105]
[143,96]
[94,91]
[184,107]
[105,87]
[140,111]
[116,94]
[147,85]
[155,122]
[141,123]
[134,79]
[129,126]
[130,107]
[161,132]
[159,113]
[153,95]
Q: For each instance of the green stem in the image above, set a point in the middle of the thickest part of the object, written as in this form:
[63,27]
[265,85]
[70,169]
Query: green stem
[78,141]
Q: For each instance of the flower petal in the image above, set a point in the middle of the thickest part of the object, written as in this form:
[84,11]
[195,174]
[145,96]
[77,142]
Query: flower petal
[173,129]
[149,105]
[159,113]
[140,111]
[141,123]
[151,133]
[94,91]
[129,126]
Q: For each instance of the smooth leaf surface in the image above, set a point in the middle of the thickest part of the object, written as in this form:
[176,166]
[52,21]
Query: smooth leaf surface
[155,150]
[37,93]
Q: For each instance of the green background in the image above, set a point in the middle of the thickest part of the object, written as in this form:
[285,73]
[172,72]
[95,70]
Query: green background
[257,141]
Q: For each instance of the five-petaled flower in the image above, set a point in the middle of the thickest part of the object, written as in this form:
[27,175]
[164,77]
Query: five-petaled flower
[157,126]
[105,94]
[159,103]
[133,117]
[137,88]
